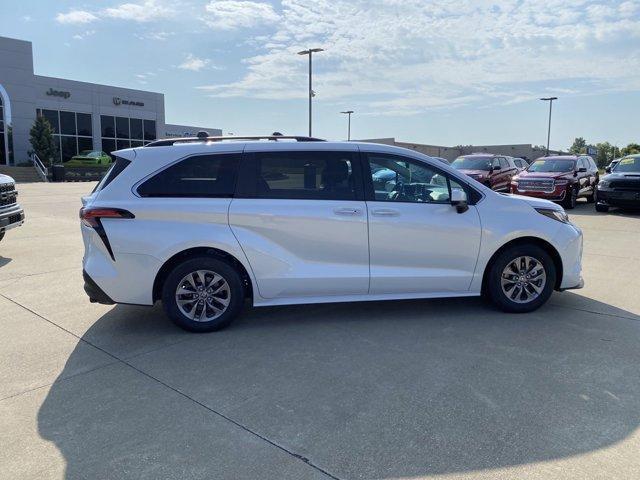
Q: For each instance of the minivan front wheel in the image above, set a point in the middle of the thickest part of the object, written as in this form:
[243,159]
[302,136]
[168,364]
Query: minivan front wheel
[521,279]
[203,294]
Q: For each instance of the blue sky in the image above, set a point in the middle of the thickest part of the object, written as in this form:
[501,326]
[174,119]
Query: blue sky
[440,72]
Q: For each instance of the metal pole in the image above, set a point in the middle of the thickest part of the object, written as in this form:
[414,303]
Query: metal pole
[549,129]
[349,129]
[310,92]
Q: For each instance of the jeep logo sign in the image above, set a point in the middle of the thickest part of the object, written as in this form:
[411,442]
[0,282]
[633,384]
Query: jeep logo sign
[58,93]
[120,101]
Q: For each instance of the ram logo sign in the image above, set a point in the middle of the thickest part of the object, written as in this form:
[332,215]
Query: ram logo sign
[120,101]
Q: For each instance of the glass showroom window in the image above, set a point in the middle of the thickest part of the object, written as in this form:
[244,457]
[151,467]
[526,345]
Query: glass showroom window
[123,132]
[72,131]
[3,159]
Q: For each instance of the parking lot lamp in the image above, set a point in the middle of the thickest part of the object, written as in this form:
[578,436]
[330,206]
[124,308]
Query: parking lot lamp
[310,52]
[348,112]
[550,100]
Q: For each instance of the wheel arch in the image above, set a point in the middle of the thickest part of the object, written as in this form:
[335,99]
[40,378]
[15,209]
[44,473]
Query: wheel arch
[546,246]
[200,251]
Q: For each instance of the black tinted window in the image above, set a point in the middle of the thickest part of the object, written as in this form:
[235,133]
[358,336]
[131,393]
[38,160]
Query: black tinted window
[116,169]
[306,175]
[200,176]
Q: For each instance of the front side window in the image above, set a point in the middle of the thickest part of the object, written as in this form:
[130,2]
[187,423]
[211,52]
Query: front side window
[504,163]
[322,175]
[399,179]
[198,176]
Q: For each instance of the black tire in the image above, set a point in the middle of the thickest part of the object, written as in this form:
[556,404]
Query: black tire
[1,235]
[494,283]
[602,208]
[571,198]
[193,264]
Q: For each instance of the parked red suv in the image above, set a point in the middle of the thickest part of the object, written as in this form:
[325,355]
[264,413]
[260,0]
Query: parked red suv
[560,179]
[494,171]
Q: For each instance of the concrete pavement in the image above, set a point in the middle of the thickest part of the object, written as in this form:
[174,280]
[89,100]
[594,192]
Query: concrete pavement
[411,389]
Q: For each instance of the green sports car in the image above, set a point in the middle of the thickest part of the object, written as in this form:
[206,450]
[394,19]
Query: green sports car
[89,158]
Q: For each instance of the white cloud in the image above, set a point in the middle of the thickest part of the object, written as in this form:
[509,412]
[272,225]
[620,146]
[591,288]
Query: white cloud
[83,35]
[410,55]
[76,17]
[139,12]
[194,63]
[159,36]
[233,14]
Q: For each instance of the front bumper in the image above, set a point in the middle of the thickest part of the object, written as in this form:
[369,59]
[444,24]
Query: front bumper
[619,198]
[569,244]
[11,217]
[558,194]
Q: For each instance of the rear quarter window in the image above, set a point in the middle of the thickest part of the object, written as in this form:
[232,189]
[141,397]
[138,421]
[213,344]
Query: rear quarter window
[116,169]
[197,176]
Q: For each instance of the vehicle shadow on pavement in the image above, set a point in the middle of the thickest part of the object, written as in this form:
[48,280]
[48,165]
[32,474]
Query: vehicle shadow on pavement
[584,209]
[366,390]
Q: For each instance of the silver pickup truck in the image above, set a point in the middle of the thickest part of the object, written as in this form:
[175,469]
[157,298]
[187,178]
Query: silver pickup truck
[11,213]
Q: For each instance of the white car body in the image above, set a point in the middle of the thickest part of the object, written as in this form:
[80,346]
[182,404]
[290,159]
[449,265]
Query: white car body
[314,251]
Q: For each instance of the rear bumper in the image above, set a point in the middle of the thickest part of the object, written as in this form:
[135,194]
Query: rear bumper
[11,217]
[95,293]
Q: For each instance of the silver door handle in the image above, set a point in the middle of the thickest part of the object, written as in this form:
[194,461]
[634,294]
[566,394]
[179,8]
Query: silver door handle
[347,211]
[385,212]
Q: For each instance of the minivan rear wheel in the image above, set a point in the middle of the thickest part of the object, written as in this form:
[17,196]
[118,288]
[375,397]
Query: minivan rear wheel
[203,294]
[521,278]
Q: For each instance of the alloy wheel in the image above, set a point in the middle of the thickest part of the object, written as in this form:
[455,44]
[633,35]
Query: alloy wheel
[203,295]
[523,279]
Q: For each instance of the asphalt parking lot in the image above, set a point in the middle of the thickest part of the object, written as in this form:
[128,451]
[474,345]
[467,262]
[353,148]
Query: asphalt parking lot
[406,389]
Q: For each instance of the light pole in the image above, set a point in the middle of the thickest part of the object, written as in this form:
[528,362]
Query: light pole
[348,112]
[550,100]
[310,52]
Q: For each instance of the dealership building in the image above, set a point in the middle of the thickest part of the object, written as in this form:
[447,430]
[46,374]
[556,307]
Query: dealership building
[84,116]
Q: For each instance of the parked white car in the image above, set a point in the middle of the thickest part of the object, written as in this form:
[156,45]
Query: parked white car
[205,225]
[11,213]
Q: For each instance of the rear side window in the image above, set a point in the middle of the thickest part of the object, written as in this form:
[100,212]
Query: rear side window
[198,176]
[504,163]
[308,175]
[116,169]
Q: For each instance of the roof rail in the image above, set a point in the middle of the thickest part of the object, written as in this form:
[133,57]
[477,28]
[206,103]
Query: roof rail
[167,142]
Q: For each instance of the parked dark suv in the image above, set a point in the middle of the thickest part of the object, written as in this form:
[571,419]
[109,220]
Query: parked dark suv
[621,188]
[561,179]
[494,171]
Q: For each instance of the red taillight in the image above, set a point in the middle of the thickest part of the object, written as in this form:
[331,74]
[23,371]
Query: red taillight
[90,216]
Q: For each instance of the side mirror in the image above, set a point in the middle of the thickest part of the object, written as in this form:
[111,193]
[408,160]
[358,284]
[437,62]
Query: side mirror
[582,170]
[496,167]
[459,200]
[607,169]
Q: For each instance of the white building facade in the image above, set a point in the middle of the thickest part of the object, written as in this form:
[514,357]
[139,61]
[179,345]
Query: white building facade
[84,116]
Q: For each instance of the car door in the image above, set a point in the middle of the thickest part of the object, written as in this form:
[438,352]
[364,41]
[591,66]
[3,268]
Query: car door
[418,242]
[300,217]
[495,174]
[582,169]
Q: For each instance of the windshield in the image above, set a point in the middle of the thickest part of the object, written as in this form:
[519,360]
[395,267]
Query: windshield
[552,165]
[89,153]
[472,163]
[628,164]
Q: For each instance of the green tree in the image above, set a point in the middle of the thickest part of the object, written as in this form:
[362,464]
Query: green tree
[579,146]
[606,153]
[630,149]
[41,138]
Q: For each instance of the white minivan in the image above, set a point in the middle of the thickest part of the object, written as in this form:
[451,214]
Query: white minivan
[204,225]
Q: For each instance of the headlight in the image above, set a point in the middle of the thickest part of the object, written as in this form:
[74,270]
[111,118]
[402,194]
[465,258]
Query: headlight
[604,184]
[559,215]
[515,180]
[561,181]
